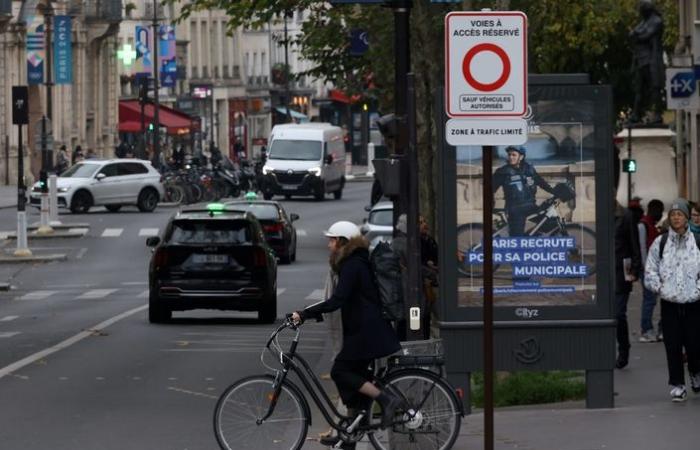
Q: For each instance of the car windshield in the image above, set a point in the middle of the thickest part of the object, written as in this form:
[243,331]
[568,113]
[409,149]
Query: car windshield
[262,211]
[295,150]
[382,217]
[81,170]
[209,232]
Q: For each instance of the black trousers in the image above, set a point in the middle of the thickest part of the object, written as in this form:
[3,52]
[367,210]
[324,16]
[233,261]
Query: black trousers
[517,216]
[681,325]
[623,334]
[349,376]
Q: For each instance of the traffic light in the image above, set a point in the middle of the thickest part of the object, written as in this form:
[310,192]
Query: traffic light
[150,126]
[43,181]
[629,165]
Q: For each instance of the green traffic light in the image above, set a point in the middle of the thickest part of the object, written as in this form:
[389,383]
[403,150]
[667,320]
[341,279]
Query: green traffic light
[150,127]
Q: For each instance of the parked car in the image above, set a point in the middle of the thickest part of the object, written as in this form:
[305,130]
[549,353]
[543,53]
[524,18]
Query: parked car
[378,226]
[277,225]
[111,183]
[305,159]
[213,258]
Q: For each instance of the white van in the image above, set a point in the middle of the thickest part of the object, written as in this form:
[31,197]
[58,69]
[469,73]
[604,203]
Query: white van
[305,159]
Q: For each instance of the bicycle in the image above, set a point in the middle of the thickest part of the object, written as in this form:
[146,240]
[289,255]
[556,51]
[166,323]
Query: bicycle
[547,222]
[271,412]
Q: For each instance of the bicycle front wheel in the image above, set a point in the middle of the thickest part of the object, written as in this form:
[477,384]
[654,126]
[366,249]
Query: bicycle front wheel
[246,401]
[432,419]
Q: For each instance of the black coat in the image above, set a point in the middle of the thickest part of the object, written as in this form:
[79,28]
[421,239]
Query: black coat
[626,246]
[366,335]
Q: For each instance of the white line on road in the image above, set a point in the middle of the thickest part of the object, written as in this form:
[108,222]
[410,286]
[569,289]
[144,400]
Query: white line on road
[143,294]
[81,253]
[301,232]
[112,232]
[280,291]
[134,283]
[8,334]
[8,318]
[96,293]
[317,294]
[37,295]
[149,231]
[68,342]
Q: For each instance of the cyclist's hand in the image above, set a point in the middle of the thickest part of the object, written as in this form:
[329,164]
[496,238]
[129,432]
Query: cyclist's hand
[296,318]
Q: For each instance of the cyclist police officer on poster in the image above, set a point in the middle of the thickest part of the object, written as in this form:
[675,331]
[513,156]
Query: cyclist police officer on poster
[519,181]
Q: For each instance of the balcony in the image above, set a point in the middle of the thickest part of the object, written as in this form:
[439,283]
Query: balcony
[108,11]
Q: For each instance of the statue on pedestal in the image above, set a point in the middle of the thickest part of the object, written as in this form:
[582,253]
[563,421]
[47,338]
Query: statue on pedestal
[648,64]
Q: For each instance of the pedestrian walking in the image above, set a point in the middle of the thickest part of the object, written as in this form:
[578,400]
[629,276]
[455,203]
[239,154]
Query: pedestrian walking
[694,223]
[91,154]
[648,232]
[62,160]
[628,267]
[77,155]
[673,272]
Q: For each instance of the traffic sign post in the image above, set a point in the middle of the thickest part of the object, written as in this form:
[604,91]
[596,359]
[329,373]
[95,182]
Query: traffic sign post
[681,88]
[20,116]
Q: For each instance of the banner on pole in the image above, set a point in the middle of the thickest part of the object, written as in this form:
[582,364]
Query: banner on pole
[63,54]
[167,59]
[143,66]
[36,53]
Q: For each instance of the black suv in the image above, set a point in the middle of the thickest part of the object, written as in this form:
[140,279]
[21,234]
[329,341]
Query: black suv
[212,259]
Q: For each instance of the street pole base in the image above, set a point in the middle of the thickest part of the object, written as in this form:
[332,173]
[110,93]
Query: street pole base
[23,252]
[44,229]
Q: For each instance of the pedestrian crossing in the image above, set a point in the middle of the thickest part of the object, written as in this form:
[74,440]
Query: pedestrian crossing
[114,232]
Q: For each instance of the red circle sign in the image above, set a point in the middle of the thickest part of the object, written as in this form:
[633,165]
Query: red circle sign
[486,47]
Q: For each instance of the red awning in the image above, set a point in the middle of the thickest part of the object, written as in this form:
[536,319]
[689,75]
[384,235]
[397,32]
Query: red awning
[174,121]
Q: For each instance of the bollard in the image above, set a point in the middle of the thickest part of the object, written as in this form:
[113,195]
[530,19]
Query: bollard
[53,201]
[22,247]
[370,159]
[44,227]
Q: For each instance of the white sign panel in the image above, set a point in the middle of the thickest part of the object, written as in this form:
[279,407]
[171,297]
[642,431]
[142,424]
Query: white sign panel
[486,132]
[682,89]
[486,64]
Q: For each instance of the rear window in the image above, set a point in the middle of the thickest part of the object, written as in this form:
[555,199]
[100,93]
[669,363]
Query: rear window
[210,232]
[382,217]
[261,211]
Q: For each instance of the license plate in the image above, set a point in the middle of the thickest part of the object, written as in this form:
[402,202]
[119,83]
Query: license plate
[289,187]
[210,259]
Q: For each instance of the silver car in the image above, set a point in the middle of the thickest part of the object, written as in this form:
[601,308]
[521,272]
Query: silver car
[378,226]
[111,183]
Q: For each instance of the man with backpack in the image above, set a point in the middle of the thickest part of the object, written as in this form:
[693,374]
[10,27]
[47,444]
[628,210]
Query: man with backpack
[673,272]
[648,232]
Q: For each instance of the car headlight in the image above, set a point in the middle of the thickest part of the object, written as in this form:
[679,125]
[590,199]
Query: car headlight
[315,171]
[62,189]
[266,170]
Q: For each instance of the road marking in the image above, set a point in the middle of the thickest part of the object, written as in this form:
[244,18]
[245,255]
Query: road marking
[81,253]
[301,232]
[317,294]
[96,293]
[280,291]
[134,283]
[149,231]
[197,394]
[112,232]
[67,343]
[8,334]
[37,295]
[8,318]
[143,294]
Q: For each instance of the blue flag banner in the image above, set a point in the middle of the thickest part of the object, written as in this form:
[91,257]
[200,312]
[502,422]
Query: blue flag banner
[35,50]
[144,59]
[166,50]
[63,53]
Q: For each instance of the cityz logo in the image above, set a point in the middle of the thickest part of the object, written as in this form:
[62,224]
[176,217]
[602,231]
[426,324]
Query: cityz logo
[529,351]
[527,313]
[683,85]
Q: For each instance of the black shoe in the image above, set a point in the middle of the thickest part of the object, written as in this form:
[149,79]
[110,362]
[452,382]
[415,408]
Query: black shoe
[329,441]
[622,361]
[390,403]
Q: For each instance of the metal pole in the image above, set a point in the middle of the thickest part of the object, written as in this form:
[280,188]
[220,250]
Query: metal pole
[414,299]
[144,87]
[53,201]
[44,227]
[286,69]
[49,82]
[629,155]
[156,124]
[22,247]
[7,160]
[487,198]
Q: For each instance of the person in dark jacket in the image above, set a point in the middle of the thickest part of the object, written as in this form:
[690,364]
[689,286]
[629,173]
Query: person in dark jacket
[519,181]
[366,334]
[628,268]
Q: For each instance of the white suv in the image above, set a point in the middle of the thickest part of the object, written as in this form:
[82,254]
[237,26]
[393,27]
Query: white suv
[110,183]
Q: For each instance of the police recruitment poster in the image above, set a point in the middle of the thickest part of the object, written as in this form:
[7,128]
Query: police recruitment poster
[544,242]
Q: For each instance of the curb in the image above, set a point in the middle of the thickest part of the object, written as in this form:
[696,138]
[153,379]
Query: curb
[8,259]
[77,233]
[4,286]
[359,177]
[61,226]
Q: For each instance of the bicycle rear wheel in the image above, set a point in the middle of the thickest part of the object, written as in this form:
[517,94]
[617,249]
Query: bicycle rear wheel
[246,401]
[433,417]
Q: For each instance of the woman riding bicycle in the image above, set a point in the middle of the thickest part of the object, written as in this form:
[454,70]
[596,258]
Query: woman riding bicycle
[366,334]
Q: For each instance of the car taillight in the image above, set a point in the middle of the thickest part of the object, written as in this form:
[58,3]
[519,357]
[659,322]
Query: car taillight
[275,227]
[160,259]
[259,259]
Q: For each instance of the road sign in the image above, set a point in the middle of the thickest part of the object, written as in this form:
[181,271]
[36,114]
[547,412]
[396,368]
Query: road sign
[486,131]
[20,105]
[681,86]
[486,64]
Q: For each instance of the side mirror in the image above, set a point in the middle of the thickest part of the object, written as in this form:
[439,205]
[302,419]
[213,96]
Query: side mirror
[329,159]
[364,220]
[100,176]
[152,241]
[364,228]
[368,208]
[293,217]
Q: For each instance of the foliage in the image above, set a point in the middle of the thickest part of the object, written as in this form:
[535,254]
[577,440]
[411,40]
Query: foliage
[529,388]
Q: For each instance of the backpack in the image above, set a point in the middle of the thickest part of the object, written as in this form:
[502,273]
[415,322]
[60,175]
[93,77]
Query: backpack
[664,238]
[386,269]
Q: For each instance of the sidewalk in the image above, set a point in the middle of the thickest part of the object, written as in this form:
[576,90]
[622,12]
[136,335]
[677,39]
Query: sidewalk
[643,418]
[8,196]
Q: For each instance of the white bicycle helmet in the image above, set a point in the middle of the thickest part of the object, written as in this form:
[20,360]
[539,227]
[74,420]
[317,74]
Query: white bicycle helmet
[343,229]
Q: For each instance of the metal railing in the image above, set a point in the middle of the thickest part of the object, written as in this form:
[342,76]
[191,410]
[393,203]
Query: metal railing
[103,10]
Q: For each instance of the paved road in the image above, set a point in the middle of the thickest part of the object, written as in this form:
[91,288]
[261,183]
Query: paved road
[80,366]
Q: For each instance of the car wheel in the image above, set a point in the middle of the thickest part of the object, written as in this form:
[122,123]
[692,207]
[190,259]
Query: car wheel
[320,193]
[113,208]
[338,194]
[268,313]
[294,255]
[157,313]
[81,202]
[148,200]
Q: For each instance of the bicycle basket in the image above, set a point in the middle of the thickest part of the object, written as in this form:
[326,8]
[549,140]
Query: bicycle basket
[564,192]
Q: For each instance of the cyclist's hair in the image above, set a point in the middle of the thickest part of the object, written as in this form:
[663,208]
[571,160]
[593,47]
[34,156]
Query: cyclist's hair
[656,207]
